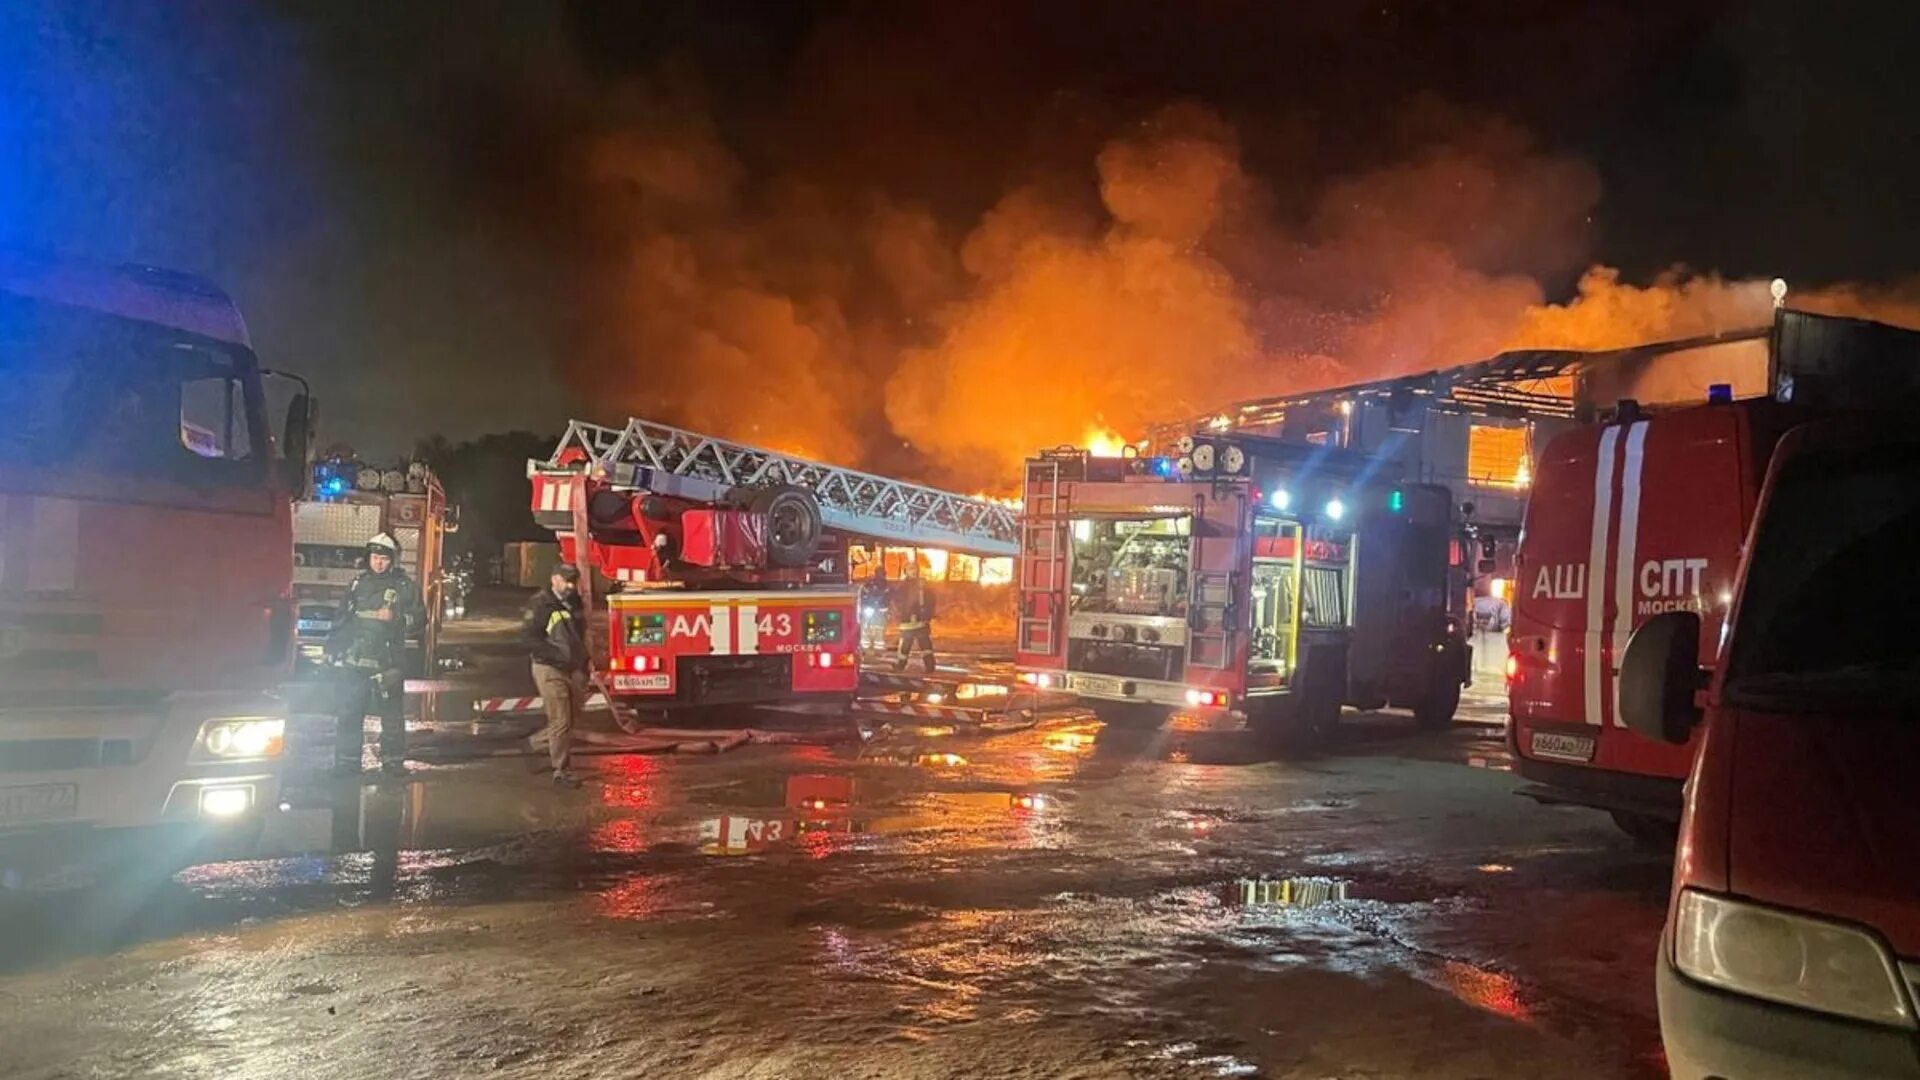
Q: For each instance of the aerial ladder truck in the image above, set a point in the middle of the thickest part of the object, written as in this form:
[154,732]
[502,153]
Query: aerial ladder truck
[727,564]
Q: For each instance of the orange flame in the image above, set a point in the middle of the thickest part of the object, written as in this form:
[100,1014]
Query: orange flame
[1103,441]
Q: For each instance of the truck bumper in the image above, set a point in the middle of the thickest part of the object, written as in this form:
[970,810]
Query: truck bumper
[1714,1034]
[103,768]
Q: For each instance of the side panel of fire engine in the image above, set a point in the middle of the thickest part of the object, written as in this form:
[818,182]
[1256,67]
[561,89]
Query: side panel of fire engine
[1400,594]
[1625,522]
[697,647]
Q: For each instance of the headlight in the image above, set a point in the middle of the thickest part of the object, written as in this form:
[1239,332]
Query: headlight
[241,739]
[1792,959]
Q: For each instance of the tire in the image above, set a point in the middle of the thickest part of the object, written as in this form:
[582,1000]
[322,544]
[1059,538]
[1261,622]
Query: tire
[1435,711]
[794,526]
[1649,833]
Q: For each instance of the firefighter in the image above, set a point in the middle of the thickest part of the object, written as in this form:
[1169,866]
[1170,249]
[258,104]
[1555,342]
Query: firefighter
[554,631]
[873,610]
[368,646]
[915,604]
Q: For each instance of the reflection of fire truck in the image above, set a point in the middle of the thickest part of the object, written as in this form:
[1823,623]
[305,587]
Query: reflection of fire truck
[350,502]
[145,621]
[1276,579]
[729,562]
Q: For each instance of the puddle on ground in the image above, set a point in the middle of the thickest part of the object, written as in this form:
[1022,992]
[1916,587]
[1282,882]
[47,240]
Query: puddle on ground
[1296,892]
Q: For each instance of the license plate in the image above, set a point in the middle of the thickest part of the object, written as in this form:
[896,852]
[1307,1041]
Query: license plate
[1094,684]
[42,802]
[1550,744]
[662,681]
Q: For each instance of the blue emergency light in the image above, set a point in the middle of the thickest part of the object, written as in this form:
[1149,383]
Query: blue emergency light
[1719,393]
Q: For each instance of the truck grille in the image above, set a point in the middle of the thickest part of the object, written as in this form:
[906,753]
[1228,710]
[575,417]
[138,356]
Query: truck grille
[53,755]
[719,680]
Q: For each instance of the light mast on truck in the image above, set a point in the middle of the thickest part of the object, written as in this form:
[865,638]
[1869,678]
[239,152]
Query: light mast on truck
[730,560]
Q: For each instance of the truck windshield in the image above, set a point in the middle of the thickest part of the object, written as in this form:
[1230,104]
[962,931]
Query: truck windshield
[1130,567]
[85,392]
[1832,585]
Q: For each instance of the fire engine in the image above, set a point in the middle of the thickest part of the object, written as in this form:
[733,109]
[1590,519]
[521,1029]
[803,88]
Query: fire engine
[1276,579]
[1648,513]
[349,502]
[728,562]
[146,621]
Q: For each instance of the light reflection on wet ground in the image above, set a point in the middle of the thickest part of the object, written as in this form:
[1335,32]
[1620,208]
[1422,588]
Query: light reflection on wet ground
[1047,902]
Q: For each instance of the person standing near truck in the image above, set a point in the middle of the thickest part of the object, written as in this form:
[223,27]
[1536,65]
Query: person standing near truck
[915,604]
[368,646]
[554,630]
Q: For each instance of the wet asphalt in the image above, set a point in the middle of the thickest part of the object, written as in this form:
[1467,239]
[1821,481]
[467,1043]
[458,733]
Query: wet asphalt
[1070,899]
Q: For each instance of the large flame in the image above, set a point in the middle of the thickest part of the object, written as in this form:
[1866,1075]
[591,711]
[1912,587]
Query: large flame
[1103,441]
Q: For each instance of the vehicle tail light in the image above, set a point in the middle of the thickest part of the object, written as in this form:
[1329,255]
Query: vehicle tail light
[1212,699]
[1513,667]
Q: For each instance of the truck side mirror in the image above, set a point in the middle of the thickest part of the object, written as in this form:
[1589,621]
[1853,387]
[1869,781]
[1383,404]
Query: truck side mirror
[1659,676]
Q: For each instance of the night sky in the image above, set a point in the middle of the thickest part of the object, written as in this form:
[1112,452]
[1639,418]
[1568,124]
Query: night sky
[435,214]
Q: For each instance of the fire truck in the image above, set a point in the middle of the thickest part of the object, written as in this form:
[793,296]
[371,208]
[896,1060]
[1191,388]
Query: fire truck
[350,502]
[1275,579]
[146,618]
[1649,512]
[727,563]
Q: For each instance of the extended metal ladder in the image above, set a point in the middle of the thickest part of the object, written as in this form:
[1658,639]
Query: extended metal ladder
[669,461]
[1043,571]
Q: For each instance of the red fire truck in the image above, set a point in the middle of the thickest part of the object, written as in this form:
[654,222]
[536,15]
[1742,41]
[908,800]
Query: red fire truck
[1276,579]
[729,562]
[146,620]
[1649,513]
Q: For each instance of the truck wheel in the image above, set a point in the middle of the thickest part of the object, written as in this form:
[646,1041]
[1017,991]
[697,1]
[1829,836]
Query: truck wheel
[793,524]
[1435,711]
[1286,724]
[1649,833]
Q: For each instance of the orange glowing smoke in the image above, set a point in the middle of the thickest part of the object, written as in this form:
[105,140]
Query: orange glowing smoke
[1157,282]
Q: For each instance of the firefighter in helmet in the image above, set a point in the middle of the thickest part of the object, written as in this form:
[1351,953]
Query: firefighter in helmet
[368,648]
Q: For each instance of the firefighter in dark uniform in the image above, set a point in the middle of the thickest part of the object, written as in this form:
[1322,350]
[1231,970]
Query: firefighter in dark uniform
[367,649]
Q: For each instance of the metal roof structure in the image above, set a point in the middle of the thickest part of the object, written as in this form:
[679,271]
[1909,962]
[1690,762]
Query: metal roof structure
[1520,382]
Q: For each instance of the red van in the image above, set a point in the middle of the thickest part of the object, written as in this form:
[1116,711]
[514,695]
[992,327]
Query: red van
[1792,944]
[1627,520]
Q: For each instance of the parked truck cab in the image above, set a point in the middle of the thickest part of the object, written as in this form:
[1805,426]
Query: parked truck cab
[146,619]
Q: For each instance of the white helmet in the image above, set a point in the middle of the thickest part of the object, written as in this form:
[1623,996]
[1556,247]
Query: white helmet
[382,544]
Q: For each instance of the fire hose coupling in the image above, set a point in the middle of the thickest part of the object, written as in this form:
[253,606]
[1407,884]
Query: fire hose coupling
[240,738]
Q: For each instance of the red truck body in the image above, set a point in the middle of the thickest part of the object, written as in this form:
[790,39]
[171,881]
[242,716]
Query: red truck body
[1626,520]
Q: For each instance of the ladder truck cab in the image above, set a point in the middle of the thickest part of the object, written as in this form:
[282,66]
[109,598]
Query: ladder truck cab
[1277,580]
[728,562]
[1646,514]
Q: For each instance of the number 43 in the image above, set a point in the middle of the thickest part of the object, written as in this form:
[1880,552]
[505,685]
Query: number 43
[776,625]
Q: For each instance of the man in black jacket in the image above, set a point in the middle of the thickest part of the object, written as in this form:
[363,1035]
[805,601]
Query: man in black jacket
[555,634]
[368,647]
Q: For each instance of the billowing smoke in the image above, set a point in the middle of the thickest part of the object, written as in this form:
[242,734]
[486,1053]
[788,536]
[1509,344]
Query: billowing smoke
[1155,278]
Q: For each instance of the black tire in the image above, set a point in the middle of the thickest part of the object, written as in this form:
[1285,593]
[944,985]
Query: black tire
[794,526]
[1435,711]
[1649,833]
